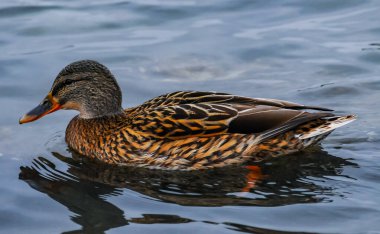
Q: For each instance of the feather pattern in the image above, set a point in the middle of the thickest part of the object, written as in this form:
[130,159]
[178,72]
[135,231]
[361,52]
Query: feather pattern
[190,130]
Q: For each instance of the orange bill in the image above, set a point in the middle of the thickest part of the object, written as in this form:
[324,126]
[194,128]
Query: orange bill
[47,106]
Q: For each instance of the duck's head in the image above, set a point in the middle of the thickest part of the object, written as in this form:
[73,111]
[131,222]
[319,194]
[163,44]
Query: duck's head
[86,86]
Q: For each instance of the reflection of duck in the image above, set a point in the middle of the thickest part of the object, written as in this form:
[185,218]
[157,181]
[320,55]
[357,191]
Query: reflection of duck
[86,198]
[181,130]
[85,186]
[282,181]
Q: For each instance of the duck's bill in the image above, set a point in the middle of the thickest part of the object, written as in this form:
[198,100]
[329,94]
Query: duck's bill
[47,106]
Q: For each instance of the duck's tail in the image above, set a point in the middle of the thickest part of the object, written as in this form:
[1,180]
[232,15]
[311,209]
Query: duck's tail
[330,123]
[301,137]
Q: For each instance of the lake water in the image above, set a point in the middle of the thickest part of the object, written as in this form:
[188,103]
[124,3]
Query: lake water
[324,52]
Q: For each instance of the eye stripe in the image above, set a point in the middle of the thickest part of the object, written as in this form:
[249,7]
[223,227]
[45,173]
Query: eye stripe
[66,82]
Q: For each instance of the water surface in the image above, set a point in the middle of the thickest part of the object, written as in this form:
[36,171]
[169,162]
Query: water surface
[319,53]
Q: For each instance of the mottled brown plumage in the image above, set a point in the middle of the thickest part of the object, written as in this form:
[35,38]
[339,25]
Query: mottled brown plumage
[184,130]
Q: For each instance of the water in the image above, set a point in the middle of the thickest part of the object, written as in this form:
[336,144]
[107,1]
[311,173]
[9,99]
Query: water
[320,53]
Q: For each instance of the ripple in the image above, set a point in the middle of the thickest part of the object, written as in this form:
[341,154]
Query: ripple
[341,70]
[270,51]
[373,85]
[250,229]
[326,5]
[372,57]
[15,11]
[206,22]
[13,91]
[331,91]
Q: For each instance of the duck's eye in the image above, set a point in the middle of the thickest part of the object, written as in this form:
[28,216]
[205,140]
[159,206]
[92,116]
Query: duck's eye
[71,81]
[61,85]
[45,102]
[68,82]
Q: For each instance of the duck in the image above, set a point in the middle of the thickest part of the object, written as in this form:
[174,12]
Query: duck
[183,130]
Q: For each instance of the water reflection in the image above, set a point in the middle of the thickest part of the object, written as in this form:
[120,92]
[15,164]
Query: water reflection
[256,230]
[84,187]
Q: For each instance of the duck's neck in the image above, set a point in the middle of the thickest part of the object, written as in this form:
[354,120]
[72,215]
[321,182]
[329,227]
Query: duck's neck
[88,136]
[96,104]
[100,112]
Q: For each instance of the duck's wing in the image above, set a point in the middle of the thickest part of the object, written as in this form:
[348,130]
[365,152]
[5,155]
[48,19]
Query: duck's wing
[196,97]
[209,118]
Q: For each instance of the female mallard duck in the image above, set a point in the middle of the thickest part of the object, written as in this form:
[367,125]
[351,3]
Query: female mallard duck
[183,130]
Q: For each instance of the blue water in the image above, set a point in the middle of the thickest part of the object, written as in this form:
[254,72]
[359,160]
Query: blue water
[324,52]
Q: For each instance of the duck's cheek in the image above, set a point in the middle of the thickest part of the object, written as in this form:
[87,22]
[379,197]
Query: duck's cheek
[69,105]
